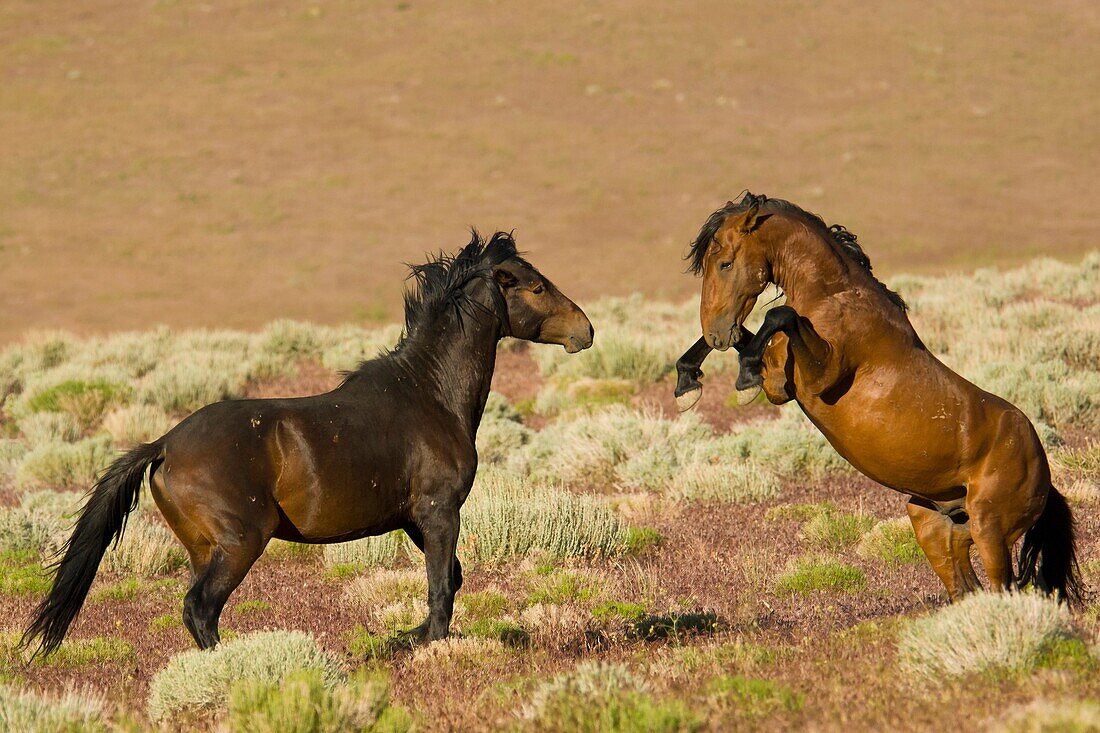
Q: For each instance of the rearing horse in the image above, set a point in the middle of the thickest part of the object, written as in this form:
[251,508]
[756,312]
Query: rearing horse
[843,348]
[390,448]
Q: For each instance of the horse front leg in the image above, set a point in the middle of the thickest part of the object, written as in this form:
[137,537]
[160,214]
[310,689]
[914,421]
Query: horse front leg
[444,574]
[688,372]
[815,357]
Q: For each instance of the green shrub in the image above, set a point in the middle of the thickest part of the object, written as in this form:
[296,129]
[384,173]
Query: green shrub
[604,697]
[789,446]
[304,702]
[984,632]
[26,711]
[199,681]
[505,517]
[63,465]
[86,401]
[891,541]
[506,632]
[486,604]
[674,625]
[38,522]
[499,441]
[618,610]
[812,574]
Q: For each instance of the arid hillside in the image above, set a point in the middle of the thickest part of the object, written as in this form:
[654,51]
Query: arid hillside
[230,162]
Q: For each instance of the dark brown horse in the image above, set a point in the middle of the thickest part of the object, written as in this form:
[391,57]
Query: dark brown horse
[390,448]
[843,348]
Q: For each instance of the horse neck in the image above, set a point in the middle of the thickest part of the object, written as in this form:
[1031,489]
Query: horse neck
[806,267]
[456,355]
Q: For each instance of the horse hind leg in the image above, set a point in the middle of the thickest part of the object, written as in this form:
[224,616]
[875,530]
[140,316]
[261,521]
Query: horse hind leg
[946,544]
[229,563]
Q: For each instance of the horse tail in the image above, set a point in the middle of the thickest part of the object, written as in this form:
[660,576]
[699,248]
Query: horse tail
[101,522]
[1048,556]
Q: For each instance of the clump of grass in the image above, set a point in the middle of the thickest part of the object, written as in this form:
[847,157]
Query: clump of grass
[82,652]
[85,400]
[613,446]
[984,632]
[485,604]
[363,644]
[612,611]
[282,549]
[605,697]
[146,549]
[135,424]
[21,573]
[70,712]
[640,540]
[499,441]
[304,702]
[49,427]
[185,385]
[584,393]
[673,625]
[38,521]
[382,551]
[199,681]
[738,482]
[836,530]
[123,590]
[61,465]
[507,632]
[506,517]
[552,625]
[753,696]
[1051,716]
[789,446]
[166,621]
[384,587]
[564,587]
[891,541]
[251,608]
[456,653]
[814,574]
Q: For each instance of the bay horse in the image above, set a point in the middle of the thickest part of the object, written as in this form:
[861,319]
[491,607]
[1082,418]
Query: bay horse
[843,348]
[391,448]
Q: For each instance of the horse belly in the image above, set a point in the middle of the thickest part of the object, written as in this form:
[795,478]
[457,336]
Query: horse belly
[338,493]
[906,439]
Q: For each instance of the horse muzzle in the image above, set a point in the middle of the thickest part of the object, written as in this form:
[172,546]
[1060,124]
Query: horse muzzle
[574,343]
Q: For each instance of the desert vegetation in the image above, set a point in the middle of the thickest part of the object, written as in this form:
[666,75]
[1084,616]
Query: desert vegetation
[627,567]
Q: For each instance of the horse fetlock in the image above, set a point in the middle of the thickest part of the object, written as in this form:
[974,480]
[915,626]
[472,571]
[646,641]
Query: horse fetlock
[751,373]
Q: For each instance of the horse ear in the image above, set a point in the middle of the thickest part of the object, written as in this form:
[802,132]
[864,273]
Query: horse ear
[504,278]
[752,219]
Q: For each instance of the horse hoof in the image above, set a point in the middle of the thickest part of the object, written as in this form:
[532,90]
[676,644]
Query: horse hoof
[748,378]
[688,400]
[745,396]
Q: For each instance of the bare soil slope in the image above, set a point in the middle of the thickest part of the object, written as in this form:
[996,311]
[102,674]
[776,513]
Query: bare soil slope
[225,163]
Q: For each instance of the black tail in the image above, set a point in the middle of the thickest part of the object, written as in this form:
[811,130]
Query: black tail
[1049,553]
[102,522]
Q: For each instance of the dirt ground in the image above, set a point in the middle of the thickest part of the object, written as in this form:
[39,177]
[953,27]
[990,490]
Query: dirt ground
[225,163]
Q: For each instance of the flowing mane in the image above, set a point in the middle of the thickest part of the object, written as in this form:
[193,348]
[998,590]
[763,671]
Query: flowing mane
[844,241]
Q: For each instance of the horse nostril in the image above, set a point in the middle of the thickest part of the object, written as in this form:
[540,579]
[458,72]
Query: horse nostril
[591,333]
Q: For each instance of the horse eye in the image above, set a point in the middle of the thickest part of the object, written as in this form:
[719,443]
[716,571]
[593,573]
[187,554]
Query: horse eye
[725,265]
[537,290]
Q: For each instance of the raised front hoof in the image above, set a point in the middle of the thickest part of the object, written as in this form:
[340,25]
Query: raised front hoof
[688,400]
[745,396]
[749,377]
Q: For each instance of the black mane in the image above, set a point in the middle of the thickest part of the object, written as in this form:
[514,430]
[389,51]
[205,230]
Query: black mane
[845,241]
[441,282]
